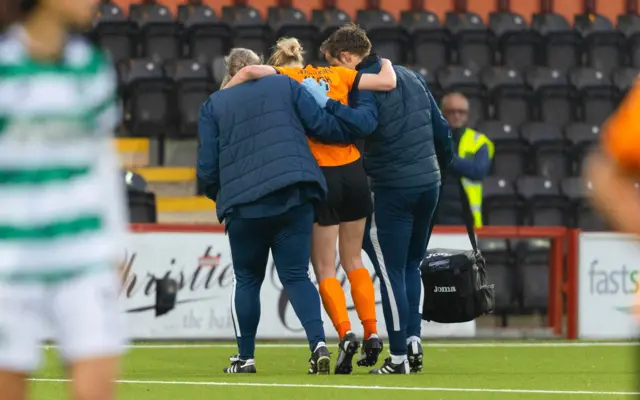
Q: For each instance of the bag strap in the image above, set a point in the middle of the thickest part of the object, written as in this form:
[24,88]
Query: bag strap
[467,215]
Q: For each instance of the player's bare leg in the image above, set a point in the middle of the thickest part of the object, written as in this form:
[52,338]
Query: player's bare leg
[323,258]
[362,290]
[94,379]
[13,385]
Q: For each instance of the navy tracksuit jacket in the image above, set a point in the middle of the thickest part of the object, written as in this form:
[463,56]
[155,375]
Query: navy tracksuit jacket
[255,162]
[402,158]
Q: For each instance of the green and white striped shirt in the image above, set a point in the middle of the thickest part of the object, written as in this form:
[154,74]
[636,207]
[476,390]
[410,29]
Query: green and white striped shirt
[61,197]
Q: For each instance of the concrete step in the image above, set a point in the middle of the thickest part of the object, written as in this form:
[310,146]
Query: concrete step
[191,217]
[173,189]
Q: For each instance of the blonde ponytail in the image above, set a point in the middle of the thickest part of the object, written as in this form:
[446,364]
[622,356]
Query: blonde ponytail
[287,51]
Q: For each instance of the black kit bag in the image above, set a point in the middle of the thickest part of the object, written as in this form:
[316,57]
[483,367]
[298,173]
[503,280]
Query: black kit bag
[455,281]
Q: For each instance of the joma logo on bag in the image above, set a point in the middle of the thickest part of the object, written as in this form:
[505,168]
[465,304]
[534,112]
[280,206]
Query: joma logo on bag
[444,289]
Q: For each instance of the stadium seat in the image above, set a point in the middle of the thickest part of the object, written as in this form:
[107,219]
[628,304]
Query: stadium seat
[602,45]
[387,37]
[509,95]
[157,32]
[328,20]
[475,45]
[561,42]
[533,270]
[193,86]
[629,27]
[291,22]
[501,205]
[623,79]
[249,29]
[112,32]
[596,94]
[466,81]
[580,137]
[553,96]
[500,272]
[519,47]
[544,205]
[547,150]
[204,36]
[218,71]
[583,216]
[510,151]
[430,43]
[142,207]
[149,104]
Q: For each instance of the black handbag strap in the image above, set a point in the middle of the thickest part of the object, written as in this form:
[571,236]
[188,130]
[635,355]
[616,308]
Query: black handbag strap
[467,216]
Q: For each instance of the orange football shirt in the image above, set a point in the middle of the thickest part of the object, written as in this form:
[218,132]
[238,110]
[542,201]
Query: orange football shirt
[621,133]
[621,139]
[340,81]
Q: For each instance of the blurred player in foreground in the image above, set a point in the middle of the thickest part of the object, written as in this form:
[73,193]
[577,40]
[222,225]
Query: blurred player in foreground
[62,216]
[614,168]
[255,163]
[402,158]
[343,216]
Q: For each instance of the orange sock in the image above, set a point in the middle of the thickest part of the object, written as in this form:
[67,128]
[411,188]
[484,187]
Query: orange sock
[364,299]
[335,304]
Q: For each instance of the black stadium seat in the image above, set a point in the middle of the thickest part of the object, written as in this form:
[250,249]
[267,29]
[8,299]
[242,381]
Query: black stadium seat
[544,204]
[602,45]
[500,205]
[291,22]
[583,216]
[193,86]
[532,258]
[547,151]
[553,95]
[430,43]
[629,27]
[519,47]
[561,42]
[475,45]
[388,39]
[328,20]
[509,95]
[148,100]
[249,28]
[623,79]
[204,35]
[158,32]
[509,159]
[112,31]
[596,93]
[580,137]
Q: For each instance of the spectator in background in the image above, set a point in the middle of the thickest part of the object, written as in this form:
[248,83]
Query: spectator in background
[471,163]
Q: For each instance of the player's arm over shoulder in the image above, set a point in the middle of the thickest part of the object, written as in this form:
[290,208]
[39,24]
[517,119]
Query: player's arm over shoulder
[383,81]
[621,133]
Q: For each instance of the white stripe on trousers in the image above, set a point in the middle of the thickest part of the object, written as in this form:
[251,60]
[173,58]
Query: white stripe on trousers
[373,235]
[234,313]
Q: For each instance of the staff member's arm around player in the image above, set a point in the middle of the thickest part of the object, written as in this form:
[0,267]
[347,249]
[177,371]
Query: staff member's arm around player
[254,161]
[402,160]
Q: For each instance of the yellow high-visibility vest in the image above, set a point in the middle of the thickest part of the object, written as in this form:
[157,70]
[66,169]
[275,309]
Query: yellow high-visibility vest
[470,142]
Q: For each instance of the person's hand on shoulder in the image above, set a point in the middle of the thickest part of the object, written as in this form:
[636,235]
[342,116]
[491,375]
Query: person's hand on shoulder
[317,89]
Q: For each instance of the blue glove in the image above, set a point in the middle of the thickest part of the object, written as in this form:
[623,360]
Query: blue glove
[318,90]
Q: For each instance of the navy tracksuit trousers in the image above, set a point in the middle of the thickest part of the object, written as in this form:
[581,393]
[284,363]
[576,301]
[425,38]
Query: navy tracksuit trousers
[396,242]
[288,236]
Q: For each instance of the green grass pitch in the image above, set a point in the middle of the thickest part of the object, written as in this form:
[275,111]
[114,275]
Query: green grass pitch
[453,370]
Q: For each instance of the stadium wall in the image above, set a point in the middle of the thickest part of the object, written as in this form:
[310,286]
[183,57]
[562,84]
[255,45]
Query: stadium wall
[569,8]
[200,259]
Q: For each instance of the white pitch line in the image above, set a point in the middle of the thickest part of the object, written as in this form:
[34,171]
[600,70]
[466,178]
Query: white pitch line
[432,345]
[390,388]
